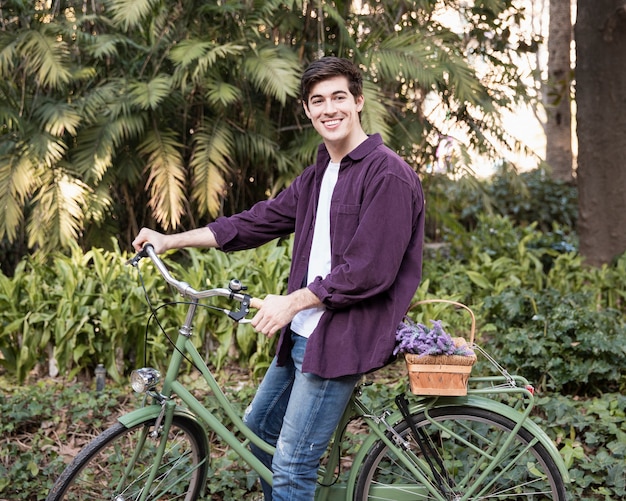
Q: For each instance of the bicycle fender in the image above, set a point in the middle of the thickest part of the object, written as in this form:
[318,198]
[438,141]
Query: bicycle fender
[471,401]
[151,412]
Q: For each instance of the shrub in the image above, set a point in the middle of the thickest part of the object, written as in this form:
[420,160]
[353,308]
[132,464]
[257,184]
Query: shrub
[560,342]
[74,312]
[456,205]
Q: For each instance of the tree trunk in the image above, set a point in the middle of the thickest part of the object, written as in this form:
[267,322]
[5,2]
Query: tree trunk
[601,121]
[557,99]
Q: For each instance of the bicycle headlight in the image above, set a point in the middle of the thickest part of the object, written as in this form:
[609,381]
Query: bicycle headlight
[145,379]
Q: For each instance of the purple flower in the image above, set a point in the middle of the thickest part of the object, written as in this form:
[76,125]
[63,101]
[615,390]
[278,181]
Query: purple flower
[412,337]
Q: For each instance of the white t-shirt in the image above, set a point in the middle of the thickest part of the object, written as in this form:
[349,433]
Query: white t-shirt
[319,260]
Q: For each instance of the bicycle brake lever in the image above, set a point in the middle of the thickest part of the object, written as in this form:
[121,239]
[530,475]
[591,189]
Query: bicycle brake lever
[243,310]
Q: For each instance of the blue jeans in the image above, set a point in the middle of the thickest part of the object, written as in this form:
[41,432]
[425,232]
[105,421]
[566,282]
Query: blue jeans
[297,413]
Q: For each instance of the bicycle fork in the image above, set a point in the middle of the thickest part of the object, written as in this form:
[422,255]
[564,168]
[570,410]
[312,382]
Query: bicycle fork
[159,433]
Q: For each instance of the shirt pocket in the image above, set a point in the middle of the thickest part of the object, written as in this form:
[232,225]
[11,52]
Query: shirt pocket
[344,226]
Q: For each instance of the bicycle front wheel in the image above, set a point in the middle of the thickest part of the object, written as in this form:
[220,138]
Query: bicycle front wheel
[461,461]
[116,465]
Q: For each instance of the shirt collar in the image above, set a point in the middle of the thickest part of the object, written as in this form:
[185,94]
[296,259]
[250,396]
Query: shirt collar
[358,153]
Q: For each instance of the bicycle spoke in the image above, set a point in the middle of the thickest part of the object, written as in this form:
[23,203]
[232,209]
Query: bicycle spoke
[117,465]
[482,453]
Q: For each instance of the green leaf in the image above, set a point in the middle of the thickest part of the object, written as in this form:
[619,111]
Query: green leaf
[130,13]
[46,56]
[274,71]
[149,95]
[33,468]
[166,176]
[479,279]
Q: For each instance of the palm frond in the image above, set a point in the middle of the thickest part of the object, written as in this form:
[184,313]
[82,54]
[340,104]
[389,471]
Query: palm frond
[9,115]
[45,149]
[463,80]
[222,93]
[93,154]
[104,45]
[106,99]
[275,72]
[97,145]
[148,95]
[375,113]
[255,146]
[17,180]
[8,55]
[45,58]
[166,176]
[209,162]
[58,214]
[99,203]
[197,56]
[129,14]
[109,122]
[58,118]
[188,51]
[408,56]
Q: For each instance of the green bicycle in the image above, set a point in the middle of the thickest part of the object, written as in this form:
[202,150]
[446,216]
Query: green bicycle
[417,448]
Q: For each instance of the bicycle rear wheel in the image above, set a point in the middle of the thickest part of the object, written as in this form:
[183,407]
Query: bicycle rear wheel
[116,464]
[465,441]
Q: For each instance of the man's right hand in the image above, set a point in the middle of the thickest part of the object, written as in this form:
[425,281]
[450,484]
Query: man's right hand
[200,237]
[156,239]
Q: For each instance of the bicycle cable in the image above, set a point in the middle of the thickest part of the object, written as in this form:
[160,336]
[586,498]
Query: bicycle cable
[338,472]
[153,315]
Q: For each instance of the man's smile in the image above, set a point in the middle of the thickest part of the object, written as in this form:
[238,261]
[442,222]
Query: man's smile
[332,123]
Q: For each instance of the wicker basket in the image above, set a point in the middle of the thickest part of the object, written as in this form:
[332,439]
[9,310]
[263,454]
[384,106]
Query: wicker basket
[442,374]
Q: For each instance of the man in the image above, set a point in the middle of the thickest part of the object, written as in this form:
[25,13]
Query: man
[358,221]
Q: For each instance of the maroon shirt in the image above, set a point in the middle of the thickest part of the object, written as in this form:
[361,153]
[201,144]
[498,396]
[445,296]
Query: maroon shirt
[376,233]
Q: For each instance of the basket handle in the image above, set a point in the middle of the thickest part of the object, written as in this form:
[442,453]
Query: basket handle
[454,303]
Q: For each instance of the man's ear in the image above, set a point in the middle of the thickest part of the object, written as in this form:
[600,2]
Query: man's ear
[360,101]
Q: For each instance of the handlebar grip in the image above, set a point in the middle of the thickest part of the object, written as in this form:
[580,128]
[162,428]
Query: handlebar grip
[140,255]
[256,303]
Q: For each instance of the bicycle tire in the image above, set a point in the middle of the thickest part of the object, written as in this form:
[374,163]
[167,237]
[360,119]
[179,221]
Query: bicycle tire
[97,472]
[528,471]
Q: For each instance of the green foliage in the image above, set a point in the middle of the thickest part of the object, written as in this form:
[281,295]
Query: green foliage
[528,198]
[119,114]
[42,426]
[591,438]
[525,198]
[77,311]
[561,342]
[493,257]
[59,313]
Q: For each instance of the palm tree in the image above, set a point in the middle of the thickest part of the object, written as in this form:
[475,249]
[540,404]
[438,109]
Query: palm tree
[122,113]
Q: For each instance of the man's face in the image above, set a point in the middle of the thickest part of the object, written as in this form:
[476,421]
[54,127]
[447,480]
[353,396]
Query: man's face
[333,111]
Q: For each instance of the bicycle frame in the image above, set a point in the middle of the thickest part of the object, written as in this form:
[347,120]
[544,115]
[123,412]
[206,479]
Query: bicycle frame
[380,427]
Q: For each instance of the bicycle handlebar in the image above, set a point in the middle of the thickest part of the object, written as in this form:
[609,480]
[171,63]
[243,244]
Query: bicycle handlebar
[187,290]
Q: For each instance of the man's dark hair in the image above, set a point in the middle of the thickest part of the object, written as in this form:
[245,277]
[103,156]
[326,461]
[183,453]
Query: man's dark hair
[329,67]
